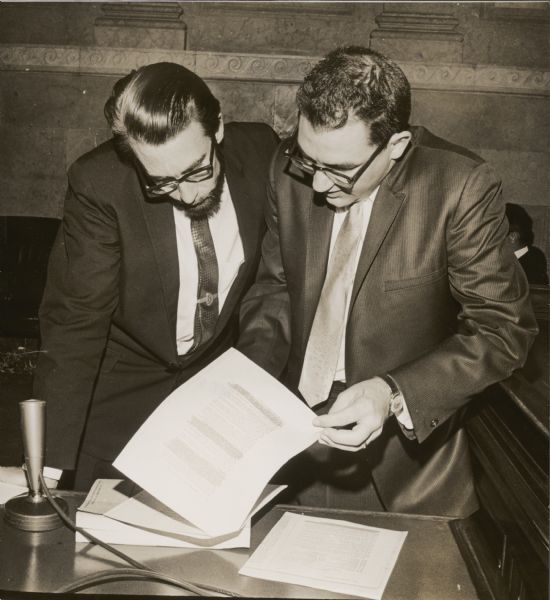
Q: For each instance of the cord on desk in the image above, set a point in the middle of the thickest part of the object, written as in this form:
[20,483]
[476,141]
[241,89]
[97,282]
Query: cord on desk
[120,574]
[139,571]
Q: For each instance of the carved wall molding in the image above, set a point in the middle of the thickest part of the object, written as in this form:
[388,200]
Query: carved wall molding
[142,25]
[276,8]
[421,23]
[280,69]
[167,13]
[404,34]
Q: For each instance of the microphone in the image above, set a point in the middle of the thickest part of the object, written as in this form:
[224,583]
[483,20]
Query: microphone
[33,512]
[33,430]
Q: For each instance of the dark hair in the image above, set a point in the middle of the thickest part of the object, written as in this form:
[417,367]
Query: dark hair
[356,81]
[520,222]
[158,101]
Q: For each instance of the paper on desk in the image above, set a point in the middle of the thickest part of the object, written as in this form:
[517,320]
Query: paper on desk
[209,449]
[328,554]
[115,532]
[107,494]
[143,510]
[8,490]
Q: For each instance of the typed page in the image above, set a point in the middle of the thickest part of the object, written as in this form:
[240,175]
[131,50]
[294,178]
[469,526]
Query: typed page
[210,448]
[328,554]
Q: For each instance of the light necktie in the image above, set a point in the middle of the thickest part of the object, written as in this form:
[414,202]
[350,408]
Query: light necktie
[329,324]
[206,312]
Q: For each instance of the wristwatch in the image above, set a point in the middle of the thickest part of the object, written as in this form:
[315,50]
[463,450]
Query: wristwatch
[396,398]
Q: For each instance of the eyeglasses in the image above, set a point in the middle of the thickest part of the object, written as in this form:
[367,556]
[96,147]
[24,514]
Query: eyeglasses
[343,181]
[193,176]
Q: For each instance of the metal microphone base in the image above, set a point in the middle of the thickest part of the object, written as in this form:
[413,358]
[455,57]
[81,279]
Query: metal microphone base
[33,513]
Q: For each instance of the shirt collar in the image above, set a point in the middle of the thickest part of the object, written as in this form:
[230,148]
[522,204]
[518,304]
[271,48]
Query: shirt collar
[519,253]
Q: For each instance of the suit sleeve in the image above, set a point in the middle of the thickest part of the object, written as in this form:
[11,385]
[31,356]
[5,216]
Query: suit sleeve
[265,311]
[496,325]
[80,297]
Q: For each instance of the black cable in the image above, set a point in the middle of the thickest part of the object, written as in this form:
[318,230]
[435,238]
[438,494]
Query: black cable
[121,574]
[139,569]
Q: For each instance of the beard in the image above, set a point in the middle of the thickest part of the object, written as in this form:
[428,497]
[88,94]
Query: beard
[208,205]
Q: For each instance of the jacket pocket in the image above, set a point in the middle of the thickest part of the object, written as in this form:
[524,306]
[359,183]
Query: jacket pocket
[410,282]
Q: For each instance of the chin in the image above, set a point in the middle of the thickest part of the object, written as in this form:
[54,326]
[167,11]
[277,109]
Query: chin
[208,206]
[205,209]
[340,201]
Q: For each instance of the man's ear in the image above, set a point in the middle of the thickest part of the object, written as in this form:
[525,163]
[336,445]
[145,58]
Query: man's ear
[398,143]
[513,236]
[219,132]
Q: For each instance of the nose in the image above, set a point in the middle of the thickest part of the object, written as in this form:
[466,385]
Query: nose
[321,183]
[184,193]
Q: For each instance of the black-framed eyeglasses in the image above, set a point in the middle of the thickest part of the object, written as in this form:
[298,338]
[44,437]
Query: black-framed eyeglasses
[163,188]
[343,181]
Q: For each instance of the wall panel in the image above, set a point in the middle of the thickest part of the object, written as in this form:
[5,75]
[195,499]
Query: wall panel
[491,95]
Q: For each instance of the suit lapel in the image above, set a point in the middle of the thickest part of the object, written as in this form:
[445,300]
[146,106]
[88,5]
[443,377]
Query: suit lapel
[247,219]
[159,218]
[384,210]
[244,208]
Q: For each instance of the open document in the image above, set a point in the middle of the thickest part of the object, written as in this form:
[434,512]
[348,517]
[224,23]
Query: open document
[209,449]
[119,512]
[338,556]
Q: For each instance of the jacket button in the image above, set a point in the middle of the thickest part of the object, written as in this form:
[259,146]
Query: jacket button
[434,423]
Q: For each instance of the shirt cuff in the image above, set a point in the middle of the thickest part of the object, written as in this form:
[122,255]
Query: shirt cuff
[405,417]
[402,414]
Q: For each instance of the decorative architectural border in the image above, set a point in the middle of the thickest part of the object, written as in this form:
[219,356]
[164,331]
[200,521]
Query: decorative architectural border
[264,68]
[280,8]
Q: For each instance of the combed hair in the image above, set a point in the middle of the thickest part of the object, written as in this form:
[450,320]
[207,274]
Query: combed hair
[158,101]
[353,81]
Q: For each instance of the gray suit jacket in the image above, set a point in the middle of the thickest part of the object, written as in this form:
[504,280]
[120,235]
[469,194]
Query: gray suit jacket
[438,301]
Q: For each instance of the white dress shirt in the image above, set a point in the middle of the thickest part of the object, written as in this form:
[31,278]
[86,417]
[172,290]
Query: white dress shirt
[229,252]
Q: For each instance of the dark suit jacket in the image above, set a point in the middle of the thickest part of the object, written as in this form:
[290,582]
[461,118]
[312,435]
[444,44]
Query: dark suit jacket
[108,316]
[438,301]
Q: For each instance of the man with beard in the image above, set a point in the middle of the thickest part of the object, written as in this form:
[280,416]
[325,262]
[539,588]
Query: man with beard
[159,242]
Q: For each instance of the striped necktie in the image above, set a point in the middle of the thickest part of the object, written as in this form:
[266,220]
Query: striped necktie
[206,312]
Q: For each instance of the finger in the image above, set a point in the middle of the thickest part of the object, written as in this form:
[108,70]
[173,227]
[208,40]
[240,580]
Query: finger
[351,437]
[344,401]
[345,447]
[339,418]
[376,433]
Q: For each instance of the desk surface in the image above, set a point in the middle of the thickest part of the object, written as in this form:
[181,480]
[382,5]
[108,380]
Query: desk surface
[429,567]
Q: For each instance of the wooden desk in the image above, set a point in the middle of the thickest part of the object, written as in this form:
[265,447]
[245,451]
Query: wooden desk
[430,566]
[509,435]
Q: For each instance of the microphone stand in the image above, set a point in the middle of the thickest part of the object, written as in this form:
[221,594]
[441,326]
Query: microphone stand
[33,512]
